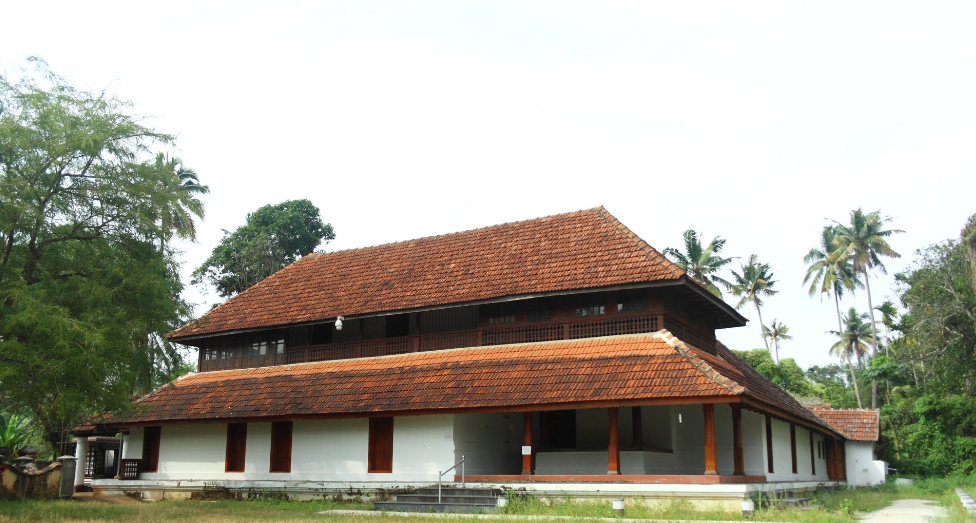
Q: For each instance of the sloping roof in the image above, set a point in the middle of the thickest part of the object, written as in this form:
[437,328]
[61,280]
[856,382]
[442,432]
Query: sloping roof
[854,424]
[586,249]
[532,376]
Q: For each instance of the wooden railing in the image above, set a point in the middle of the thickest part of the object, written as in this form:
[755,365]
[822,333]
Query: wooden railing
[537,332]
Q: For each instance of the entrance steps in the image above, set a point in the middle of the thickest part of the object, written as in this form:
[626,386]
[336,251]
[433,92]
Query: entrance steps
[453,499]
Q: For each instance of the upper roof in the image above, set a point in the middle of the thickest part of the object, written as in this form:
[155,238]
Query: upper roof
[592,372]
[854,424]
[586,249]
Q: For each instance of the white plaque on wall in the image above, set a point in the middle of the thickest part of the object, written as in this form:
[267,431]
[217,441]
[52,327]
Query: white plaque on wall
[526,450]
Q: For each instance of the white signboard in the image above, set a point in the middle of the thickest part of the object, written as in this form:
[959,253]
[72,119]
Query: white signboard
[527,450]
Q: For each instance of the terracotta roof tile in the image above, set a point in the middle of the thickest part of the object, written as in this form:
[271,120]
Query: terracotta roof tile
[855,424]
[578,250]
[541,376]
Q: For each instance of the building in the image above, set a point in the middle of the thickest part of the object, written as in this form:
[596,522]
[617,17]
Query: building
[561,354]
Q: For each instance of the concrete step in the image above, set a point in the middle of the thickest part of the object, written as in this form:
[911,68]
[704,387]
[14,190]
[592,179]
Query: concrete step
[457,491]
[403,506]
[432,498]
[794,502]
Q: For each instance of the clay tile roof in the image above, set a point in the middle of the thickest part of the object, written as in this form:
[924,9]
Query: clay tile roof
[530,376]
[579,250]
[854,424]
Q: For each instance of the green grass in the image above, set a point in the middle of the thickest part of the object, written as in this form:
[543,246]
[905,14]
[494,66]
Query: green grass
[841,506]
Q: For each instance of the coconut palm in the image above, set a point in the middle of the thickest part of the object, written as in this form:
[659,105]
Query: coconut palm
[701,263]
[852,344]
[889,315]
[862,244]
[751,285]
[183,186]
[828,276]
[776,332]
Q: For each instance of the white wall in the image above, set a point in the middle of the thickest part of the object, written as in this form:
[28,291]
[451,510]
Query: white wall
[688,435]
[782,455]
[490,443]
[322,450]
[861,467]
[753,443]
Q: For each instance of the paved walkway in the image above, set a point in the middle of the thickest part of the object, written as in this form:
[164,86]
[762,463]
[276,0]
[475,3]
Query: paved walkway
[906,511]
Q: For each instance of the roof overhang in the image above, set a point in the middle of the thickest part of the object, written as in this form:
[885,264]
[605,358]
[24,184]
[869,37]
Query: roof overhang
[726,316]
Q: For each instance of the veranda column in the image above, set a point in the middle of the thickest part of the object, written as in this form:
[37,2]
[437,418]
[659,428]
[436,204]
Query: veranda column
[711,452]
[527,442]
[81,452]
[738,468]
[613,451]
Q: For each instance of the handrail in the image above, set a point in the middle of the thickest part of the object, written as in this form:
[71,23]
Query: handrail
[440,475]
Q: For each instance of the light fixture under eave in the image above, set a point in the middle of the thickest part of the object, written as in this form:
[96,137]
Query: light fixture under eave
[338,323]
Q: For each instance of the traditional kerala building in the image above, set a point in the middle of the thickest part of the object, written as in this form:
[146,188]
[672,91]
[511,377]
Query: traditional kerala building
[561,354]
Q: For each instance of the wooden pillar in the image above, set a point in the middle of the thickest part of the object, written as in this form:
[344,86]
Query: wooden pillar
[613,450]
[738,468]
[527,442]
[638,428]
[769,444]
[793,445]
[711,452]
[813,457]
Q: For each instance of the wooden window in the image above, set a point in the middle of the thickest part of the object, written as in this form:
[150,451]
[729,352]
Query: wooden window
[236,445]
[592,307]
[538,313]
[281,446]
[380,445]
[150,448]
[769,443]
[632,301]
[793,445]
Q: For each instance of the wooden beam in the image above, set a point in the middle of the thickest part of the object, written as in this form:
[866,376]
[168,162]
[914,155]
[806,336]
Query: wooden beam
[738,467]
[637,425]
[527,442]
[613,450]
[769,444]
[711,452]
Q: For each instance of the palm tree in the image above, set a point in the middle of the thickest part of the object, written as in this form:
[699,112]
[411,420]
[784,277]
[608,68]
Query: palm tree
[863,243]
[751,285]
[854,338]
[701,263]
[828,276]
[776,332]
[889,314]
[177,214]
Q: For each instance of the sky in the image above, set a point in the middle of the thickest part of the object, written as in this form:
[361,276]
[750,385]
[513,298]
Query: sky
[755,121]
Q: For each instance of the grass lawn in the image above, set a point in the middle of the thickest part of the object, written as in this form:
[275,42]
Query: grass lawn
[833,507]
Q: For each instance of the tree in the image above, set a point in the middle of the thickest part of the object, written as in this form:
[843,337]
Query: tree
[862,243]
[776,332]
[701,263]
[82,285]
[830,275]
[786,374]
[181,188]
[853,344]
[273,237]
[754,282]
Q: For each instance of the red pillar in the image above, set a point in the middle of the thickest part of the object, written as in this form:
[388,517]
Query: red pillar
[711,452]
[738,468]
[527,442]
[613,451]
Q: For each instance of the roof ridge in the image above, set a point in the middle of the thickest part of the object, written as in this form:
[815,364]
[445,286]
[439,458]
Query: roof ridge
[699,363]
[652,254]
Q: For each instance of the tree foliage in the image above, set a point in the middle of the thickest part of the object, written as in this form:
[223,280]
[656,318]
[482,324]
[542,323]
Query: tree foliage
[273,237]
[702,263]
[754,282]
[83,287]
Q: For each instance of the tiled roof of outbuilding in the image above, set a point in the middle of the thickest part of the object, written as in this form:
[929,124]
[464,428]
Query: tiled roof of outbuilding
[586,249]
[854,424]
[533,376]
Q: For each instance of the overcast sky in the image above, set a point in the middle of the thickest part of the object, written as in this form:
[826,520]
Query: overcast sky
[755,121]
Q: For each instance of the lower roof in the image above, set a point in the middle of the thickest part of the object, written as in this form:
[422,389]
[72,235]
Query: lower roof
[638,369]
[854,424]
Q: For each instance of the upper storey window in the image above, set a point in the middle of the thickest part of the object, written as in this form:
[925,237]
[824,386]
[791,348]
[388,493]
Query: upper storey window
[631,302]
[591,307]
